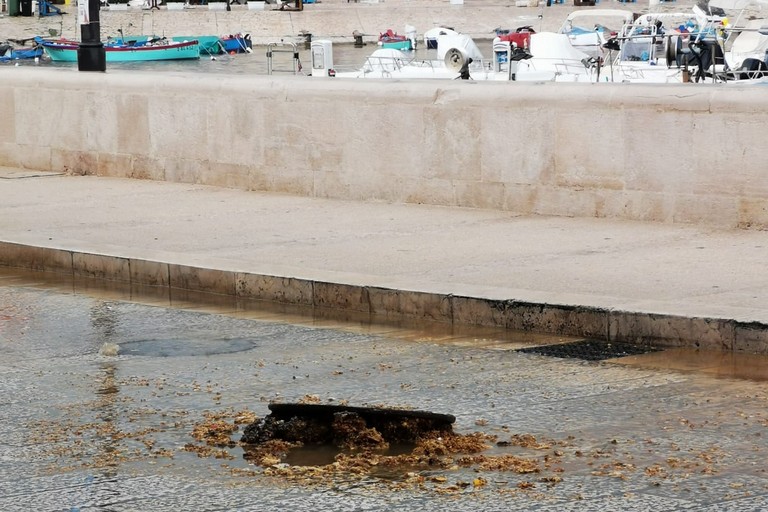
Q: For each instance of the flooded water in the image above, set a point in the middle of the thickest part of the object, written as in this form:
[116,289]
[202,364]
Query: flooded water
[86,431]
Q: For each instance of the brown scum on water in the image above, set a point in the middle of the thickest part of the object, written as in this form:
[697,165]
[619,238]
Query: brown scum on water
[441,461]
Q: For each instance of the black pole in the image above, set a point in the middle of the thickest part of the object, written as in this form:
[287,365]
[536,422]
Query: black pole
[90,54]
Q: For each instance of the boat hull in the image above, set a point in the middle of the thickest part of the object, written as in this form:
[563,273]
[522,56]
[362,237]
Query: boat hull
[22,53]
[404,45]
[209,45]
[59,52]
[237,44]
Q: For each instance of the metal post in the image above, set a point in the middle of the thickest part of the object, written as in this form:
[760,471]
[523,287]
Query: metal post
[90,54]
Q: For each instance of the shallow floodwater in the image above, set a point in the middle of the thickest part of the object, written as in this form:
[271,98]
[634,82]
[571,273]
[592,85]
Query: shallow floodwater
[87,431]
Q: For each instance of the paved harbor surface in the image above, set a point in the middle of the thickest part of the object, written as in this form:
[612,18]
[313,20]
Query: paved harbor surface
[684,270]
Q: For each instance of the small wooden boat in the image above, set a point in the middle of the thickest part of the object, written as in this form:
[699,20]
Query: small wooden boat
[66,51]
[390,39]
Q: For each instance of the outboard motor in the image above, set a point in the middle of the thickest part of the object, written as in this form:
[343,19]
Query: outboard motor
[410,34]
[464,71]
[702,53]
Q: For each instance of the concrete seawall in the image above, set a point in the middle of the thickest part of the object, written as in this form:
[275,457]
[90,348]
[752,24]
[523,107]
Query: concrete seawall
[353,301]
[686,154]
[689,153]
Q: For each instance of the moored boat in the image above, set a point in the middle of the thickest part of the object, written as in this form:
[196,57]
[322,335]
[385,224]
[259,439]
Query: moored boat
[66,51]
[431,36]
[390,39]
[209,45]
[11,52]
[519,37]
[237,43]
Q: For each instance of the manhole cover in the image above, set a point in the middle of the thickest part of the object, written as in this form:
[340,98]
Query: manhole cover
[185,347]
[289,410]
[589,350]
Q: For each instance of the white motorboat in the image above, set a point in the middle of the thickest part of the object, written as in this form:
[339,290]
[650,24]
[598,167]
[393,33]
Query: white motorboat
[588,30]
[555,59]
[549,57]
[744,45]
[690,47]
[455,55]
[651,49]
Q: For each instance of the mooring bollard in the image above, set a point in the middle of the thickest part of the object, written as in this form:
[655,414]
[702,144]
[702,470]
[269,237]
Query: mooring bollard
[358,39]
[91,55]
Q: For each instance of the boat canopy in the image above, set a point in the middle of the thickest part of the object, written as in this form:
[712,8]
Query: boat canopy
[749,42]
[462,42]
[619,15]
[549,45]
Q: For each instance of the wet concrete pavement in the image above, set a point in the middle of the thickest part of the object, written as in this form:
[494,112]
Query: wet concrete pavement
[85,431]
[674,430]
[690,272]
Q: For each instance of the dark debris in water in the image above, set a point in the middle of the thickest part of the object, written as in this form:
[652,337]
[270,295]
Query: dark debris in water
[589,350]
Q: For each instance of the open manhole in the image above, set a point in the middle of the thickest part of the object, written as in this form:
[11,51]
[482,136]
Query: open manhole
[343,425]
[302,434]
[589,350]
[340,441]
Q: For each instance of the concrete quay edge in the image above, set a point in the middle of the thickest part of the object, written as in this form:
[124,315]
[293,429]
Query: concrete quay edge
[380,302]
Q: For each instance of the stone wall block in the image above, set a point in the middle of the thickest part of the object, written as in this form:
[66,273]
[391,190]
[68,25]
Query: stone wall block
[35,258]
[750,337]
[99,266]
[149,273]
[427,306]
[557,319]
[649,329]
[202,279]
[475,311]
[285,290]
[341,296]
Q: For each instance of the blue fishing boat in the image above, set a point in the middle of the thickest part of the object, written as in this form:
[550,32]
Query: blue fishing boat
[237,43]
[10,52]
[66,51]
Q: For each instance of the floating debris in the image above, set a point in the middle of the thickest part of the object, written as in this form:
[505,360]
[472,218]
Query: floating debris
[109,349]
